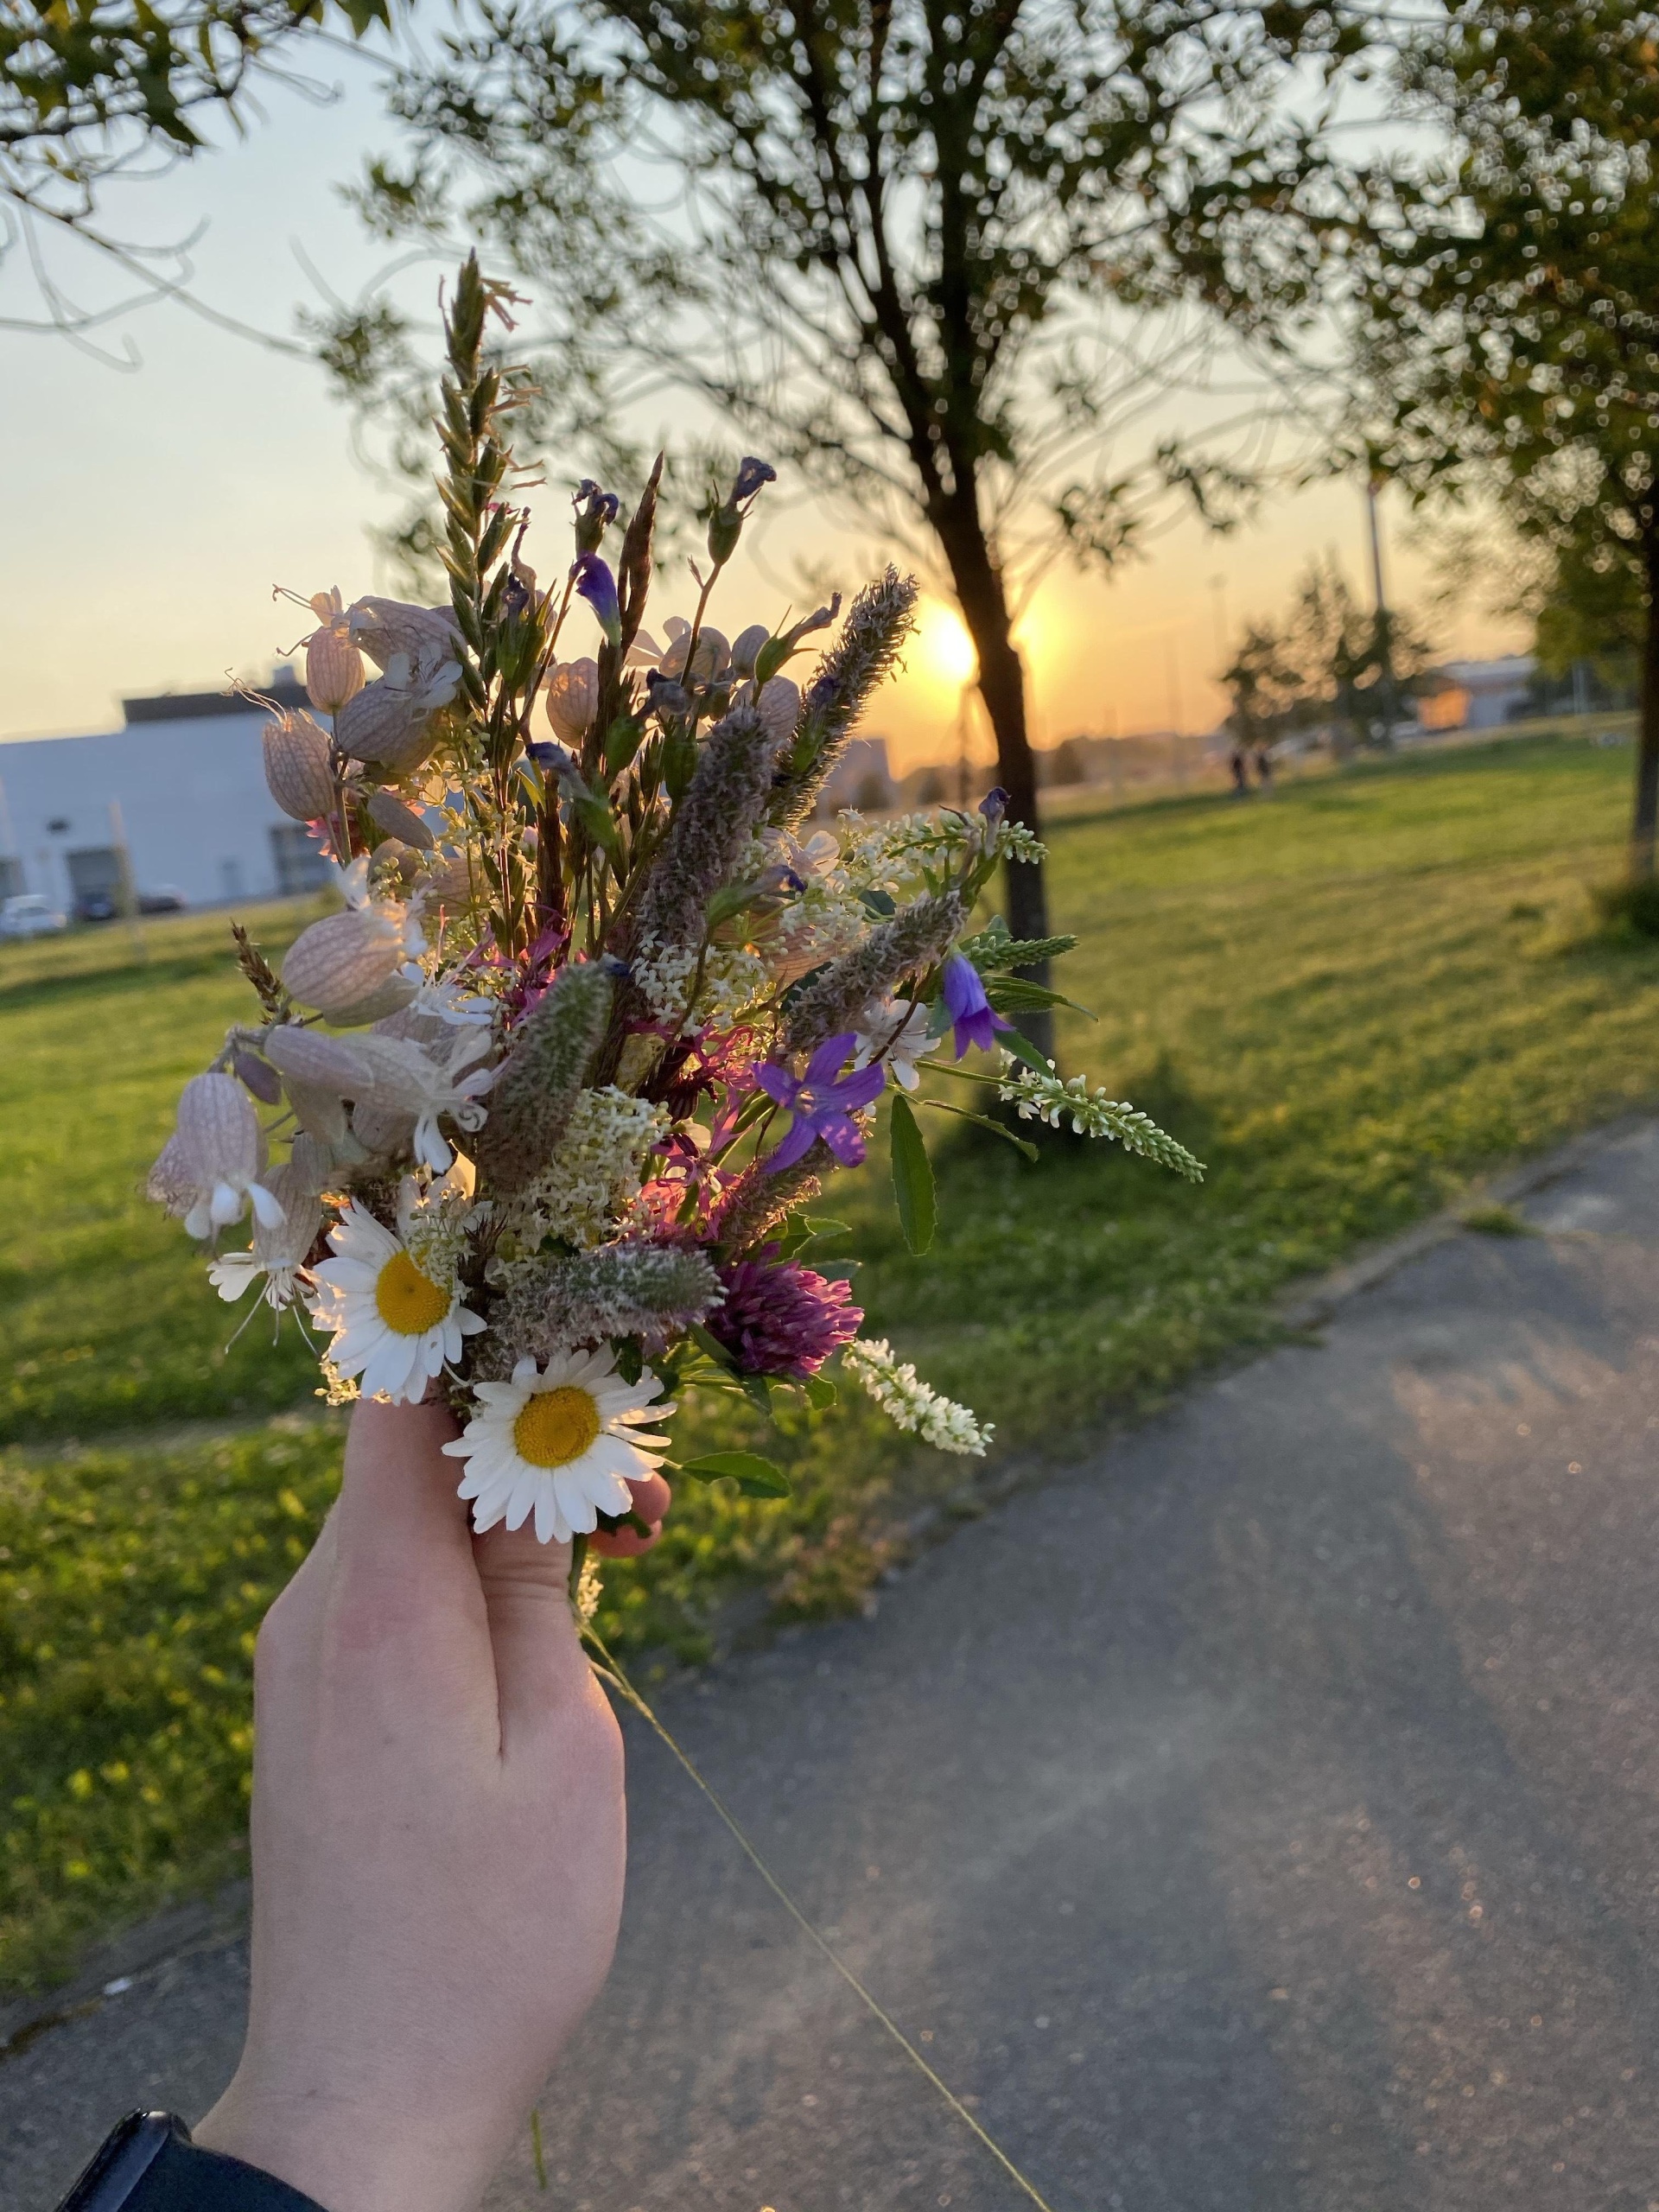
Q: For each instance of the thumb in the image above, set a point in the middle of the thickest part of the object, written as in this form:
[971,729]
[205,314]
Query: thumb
[539,1664]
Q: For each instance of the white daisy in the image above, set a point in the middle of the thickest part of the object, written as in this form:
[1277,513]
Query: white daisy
[565,1441]
[394,1326]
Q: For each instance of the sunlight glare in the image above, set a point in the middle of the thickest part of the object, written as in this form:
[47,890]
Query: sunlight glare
[947,650]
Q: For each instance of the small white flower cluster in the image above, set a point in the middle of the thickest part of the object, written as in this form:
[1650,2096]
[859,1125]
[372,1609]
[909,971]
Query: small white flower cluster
[1037,1098]
[734,980]
[892,856]
[586,1195]
[910,1403]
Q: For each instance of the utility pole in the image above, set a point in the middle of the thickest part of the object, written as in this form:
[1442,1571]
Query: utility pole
[126,892]
[1382,617]
[1172,671]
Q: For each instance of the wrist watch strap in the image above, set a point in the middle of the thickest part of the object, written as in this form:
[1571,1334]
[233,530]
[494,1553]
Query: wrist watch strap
[149,2163]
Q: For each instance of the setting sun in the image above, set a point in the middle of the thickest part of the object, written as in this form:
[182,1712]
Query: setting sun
[945,651]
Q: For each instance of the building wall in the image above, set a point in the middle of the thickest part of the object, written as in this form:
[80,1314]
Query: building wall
[191,793]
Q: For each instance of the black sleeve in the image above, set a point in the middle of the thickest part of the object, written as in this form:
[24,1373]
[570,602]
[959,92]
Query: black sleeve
[150,2164]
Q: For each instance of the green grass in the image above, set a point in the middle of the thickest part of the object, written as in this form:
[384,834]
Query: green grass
[1351,1000]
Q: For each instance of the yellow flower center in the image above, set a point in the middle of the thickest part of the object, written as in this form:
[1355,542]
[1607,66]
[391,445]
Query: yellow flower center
[557,1426]
[409,1303]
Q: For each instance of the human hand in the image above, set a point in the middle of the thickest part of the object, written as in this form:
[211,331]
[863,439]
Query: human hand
[438,1841]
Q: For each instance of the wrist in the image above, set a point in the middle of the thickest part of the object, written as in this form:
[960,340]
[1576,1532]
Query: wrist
[352,2155]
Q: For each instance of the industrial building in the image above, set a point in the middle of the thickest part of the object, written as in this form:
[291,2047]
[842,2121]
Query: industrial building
[182,785]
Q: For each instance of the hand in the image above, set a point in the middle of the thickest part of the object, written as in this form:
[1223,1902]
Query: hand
[438,1841]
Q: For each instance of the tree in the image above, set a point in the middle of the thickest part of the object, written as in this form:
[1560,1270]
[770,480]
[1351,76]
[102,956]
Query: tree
[1331,660]
[939,253]
[90,88]
[1509,298]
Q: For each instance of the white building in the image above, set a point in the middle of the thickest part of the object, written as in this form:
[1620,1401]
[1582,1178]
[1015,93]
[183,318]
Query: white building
[1478,694]
[183,782]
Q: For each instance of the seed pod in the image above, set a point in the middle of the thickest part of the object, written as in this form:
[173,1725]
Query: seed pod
[713,656]
[448,880]
[219,1132]
[572,695]
[334,668]
[746,648]
[258,1076]
[323,1063]
[320,1115]
[389,813]
[384,626]
[384,1130]
[296,767]
[344,958]
[291,1186]
[311,1164]
[392,996]
[780,708]
[391,723]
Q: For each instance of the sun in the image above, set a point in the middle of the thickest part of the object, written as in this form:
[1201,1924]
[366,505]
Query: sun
[946,650]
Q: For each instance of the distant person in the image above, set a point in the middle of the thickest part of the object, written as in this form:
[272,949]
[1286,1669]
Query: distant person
[1240,764]
[1264,766]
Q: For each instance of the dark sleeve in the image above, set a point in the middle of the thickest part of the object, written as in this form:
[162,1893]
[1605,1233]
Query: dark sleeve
[150,2164]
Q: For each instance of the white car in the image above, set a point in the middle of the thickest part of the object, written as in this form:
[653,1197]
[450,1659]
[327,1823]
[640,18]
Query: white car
[29,915]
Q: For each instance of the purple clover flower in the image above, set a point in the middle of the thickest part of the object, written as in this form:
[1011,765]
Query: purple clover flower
[822,1103]
[779,1318]
[976,1023]
[595,584]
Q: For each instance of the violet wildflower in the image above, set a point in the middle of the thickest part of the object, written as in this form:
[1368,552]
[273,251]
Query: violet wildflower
[752,476]
[822,1102]
[596,511]
[995,804]
[976,1021]
[779,1318]
[595,584]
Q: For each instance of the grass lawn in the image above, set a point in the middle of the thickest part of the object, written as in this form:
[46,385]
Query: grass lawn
[1348,1000]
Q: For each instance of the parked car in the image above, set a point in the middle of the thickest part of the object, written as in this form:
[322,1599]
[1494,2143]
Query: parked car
[96,906]
[166,899]
[28,914]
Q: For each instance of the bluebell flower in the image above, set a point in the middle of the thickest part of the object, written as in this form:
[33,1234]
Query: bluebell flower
[595,584]
[752,474]
[974,1020]
[995,804]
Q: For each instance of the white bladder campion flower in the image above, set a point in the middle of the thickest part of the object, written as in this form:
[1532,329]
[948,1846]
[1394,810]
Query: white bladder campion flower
[560,1442]
[414,1079]
[278,1253]
[209,1167]
[891,1031]
[393,1323]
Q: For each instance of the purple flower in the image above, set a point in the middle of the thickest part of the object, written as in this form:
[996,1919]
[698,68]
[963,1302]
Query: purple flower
[995,804]
[595,584]
[752,474]
[777,1318]
[968,1006]
[822,1103]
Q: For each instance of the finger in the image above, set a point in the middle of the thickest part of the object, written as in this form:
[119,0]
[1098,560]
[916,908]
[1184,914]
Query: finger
[652,1499]
[540,1665]
[403,1581]
[625,1543]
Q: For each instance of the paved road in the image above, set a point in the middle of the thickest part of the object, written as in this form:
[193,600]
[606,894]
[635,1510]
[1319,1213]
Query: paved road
[1265,1816]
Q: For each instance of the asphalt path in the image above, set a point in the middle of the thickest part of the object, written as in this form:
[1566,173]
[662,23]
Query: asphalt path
[1265,1815]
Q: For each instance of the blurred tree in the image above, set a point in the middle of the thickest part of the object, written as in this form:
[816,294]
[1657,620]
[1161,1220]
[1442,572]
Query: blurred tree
[1330,660]
[90,88]
[1510,303]
[888,245]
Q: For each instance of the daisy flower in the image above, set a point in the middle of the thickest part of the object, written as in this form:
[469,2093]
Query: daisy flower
[394,1326]
[564,1442]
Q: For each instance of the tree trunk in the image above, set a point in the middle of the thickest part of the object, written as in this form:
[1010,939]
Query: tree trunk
[1646,730]
[1002,687]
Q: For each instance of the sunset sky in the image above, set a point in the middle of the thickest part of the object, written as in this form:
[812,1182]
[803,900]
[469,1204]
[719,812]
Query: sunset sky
[152,508]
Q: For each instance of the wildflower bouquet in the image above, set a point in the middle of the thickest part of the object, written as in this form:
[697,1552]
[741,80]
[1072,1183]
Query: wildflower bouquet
[599,1012]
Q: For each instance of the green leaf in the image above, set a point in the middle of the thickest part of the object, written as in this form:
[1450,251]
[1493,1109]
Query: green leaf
[757,1390]
[754,1477]
[710,1346]
[1023,1049]
[985,1121]
[1014,995]
[819,1392]
[913,1177]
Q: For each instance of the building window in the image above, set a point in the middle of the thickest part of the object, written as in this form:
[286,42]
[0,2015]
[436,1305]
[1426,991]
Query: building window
[299,865]
[95,883]
[12,885]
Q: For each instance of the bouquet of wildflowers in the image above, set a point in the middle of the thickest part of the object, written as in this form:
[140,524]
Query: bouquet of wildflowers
[547,1097]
